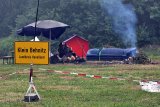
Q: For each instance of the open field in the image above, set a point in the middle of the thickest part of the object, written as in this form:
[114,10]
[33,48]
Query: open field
[66,90]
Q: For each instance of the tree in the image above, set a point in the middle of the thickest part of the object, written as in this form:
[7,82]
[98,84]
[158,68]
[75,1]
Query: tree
[86,18]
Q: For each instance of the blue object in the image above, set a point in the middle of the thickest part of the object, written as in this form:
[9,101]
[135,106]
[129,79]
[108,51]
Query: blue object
[108,54]
[93,54]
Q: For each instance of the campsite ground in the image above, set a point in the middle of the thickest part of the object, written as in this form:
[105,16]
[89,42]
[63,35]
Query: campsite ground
[66,90]
[63,90]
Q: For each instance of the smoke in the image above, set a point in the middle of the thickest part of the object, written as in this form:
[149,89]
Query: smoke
[124,20]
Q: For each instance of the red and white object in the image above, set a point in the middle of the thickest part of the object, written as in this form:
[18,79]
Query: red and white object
[86,75]
[150,86]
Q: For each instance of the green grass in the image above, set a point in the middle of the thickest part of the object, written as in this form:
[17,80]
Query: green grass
[64,90]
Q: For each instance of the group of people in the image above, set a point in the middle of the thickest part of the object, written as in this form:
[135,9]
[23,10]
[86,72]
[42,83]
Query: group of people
[64,54]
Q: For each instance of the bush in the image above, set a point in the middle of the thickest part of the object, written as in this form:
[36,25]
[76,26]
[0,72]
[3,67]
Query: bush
[7,45]
[141,58]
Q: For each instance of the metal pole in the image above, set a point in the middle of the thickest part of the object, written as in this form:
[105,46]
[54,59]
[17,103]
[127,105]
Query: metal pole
[36,20]
[31,73]
[50,34]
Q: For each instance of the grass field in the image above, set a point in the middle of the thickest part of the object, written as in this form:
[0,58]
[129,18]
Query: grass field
[65,90]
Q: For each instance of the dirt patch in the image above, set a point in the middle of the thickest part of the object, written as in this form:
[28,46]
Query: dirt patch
[86,78]
[6,76]
[28,71]
[67,77]
[137,87]
[42,76]
[11,97]
[1,77]
[11,100]
[71,78]
[61,87]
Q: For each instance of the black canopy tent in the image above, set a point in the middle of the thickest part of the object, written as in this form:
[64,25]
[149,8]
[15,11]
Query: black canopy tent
[50,29]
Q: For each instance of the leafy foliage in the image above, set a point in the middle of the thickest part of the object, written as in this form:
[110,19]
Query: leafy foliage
[86,18]
[6,46]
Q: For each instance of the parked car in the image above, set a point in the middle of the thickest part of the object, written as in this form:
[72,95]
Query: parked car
[108,54]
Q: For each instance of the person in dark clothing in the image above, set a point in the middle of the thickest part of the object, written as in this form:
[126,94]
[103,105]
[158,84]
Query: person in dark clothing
[61,50]
[66,49]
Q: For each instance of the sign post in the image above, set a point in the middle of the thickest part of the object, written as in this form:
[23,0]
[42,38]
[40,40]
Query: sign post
[31,53]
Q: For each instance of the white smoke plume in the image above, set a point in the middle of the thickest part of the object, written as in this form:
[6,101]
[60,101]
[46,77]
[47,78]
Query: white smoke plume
[124,20]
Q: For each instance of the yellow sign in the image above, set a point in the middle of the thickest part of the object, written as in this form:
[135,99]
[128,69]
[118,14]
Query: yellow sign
[31,52]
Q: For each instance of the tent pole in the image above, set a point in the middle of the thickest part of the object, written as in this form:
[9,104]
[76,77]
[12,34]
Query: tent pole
[49,46]
[36,20]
